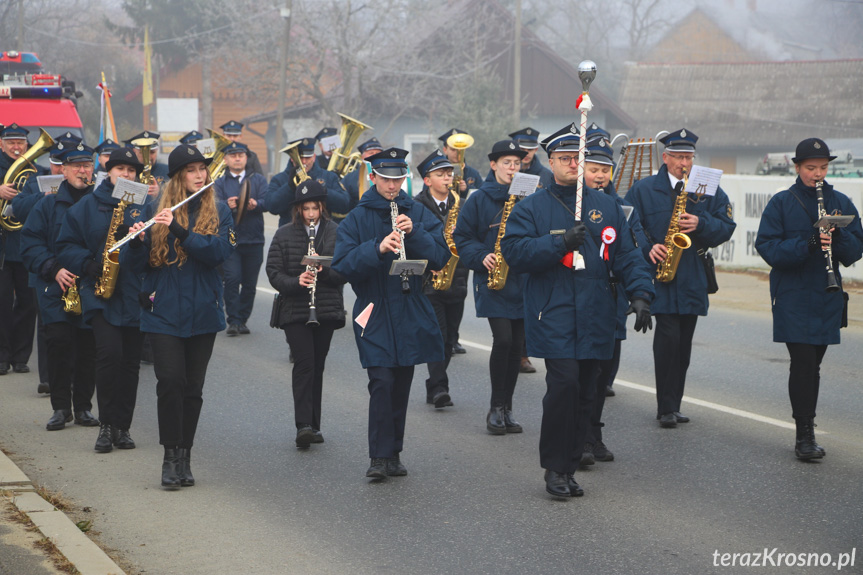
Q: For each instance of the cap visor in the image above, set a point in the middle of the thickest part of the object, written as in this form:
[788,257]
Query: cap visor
[394,172]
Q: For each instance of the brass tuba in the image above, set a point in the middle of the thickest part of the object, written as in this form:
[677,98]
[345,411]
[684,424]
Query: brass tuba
[217,166]
[675,241]
[18,174]
[342,161]
[460,143]
[293,152]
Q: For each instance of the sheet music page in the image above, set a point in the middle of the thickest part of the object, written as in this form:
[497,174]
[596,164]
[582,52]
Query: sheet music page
[129,191]
[523,184]
[206,146]
[703,181]
[49,184]
[330,143]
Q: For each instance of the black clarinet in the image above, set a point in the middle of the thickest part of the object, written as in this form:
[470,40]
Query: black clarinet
[313,311]
[832,283]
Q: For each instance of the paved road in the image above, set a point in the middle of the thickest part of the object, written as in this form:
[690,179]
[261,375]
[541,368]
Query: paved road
[472,503]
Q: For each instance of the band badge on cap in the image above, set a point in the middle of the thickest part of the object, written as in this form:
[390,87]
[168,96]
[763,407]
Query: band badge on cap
[305,190]
[128,154]
[60,145]
[573,128]
[80,147]
[816,145]
[190,151]
[393,154]
[528,132]
[682,133]
[512,146]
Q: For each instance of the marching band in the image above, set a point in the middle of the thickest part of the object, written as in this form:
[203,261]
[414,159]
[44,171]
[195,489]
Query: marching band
[555,271]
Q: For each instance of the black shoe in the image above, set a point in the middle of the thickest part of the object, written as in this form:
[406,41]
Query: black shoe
[526,366]
[495,421]
[441,399]
[601,452]
[305,436]
[243,329]
[458,349]
[86,419]
[512,426]
[805,447]
[171,469]
[184,472]
[378,468]
[667,420]
[233,330]
[59,420]
[557,484]
[609,391]
[105,443]
[680,417]
[587,457]
[319,437]
[43,387]
[575,489]
[21,368]
[395,468]
[4,367]
[122,439]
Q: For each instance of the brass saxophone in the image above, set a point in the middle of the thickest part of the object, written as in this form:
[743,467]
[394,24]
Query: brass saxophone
[675,241]
[497,276]
[72,299]
[111,260]
[442,280]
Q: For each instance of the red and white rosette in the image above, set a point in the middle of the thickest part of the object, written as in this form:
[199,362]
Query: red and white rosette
[609,235]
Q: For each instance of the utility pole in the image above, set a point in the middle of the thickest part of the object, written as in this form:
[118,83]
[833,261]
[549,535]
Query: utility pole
[516,75]
[283,82]
[20,25]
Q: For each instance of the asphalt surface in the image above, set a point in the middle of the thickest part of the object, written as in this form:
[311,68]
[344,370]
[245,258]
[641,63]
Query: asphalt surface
[473,503]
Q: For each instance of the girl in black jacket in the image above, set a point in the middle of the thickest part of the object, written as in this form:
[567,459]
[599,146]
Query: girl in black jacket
[309,342]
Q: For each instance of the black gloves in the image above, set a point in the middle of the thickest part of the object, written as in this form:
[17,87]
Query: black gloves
[179,231]
[574,236]
[122,232]
[641,309]
[92,269]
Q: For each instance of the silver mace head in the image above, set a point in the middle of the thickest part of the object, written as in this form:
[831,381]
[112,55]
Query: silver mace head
[586,73]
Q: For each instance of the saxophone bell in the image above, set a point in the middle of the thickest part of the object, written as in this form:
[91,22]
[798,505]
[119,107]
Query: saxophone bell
[72,299]
[675,240]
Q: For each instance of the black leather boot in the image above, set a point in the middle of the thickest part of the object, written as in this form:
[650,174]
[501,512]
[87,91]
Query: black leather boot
[59,420]
[104,443]
[185,471]
[512,426]
[557,484]
[806,448]
[495,421]
[171,468]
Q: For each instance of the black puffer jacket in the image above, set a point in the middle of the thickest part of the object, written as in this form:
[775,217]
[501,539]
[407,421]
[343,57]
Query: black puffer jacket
[289,246]
[458,289]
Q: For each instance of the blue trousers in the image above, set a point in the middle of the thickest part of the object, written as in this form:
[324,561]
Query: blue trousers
[389,391]
[241,269]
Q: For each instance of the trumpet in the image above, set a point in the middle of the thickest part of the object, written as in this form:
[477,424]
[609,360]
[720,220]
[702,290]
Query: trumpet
[293,152]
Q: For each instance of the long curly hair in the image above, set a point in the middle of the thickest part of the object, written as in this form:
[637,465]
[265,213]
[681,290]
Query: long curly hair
[207,222]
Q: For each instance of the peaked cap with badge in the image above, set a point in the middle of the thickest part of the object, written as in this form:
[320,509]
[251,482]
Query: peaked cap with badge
[390,163]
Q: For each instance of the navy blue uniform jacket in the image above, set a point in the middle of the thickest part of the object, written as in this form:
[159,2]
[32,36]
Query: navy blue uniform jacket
[11,241]
[403,329]
[803,311]
[186,300]
[475,235]
[281,191]
[39,253]
[653,199]
[571,314]
[82,240]
[251,227]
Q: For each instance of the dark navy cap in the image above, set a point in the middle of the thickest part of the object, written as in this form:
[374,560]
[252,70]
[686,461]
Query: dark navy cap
[812,148]
[594,132]
[78,153]
[390,163]
[310,191]
[445,136]
[232,127]
[14,132]
[192,137]
[370,144]
[106,147]
[564,140]
[434,161]
[236,148]
[306,147]
[324,133]
[145,135]
[62,145]
[506,148]
[527,138]
[680,141]
[183,155]
[124,157]
[599,152]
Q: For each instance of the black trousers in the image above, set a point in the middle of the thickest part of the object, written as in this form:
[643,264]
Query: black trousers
[606,372]
[804,377]
[41,347]
[505,359]
[70,366]
[672,348]
[389,391]
[570,385]
[310,346]
[17,314]
[118,359]
[180,366]
[449,316]
[241,269]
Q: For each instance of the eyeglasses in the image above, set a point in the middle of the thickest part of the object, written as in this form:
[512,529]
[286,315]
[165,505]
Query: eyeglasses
[681,157]
[510,163]
[565,160]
